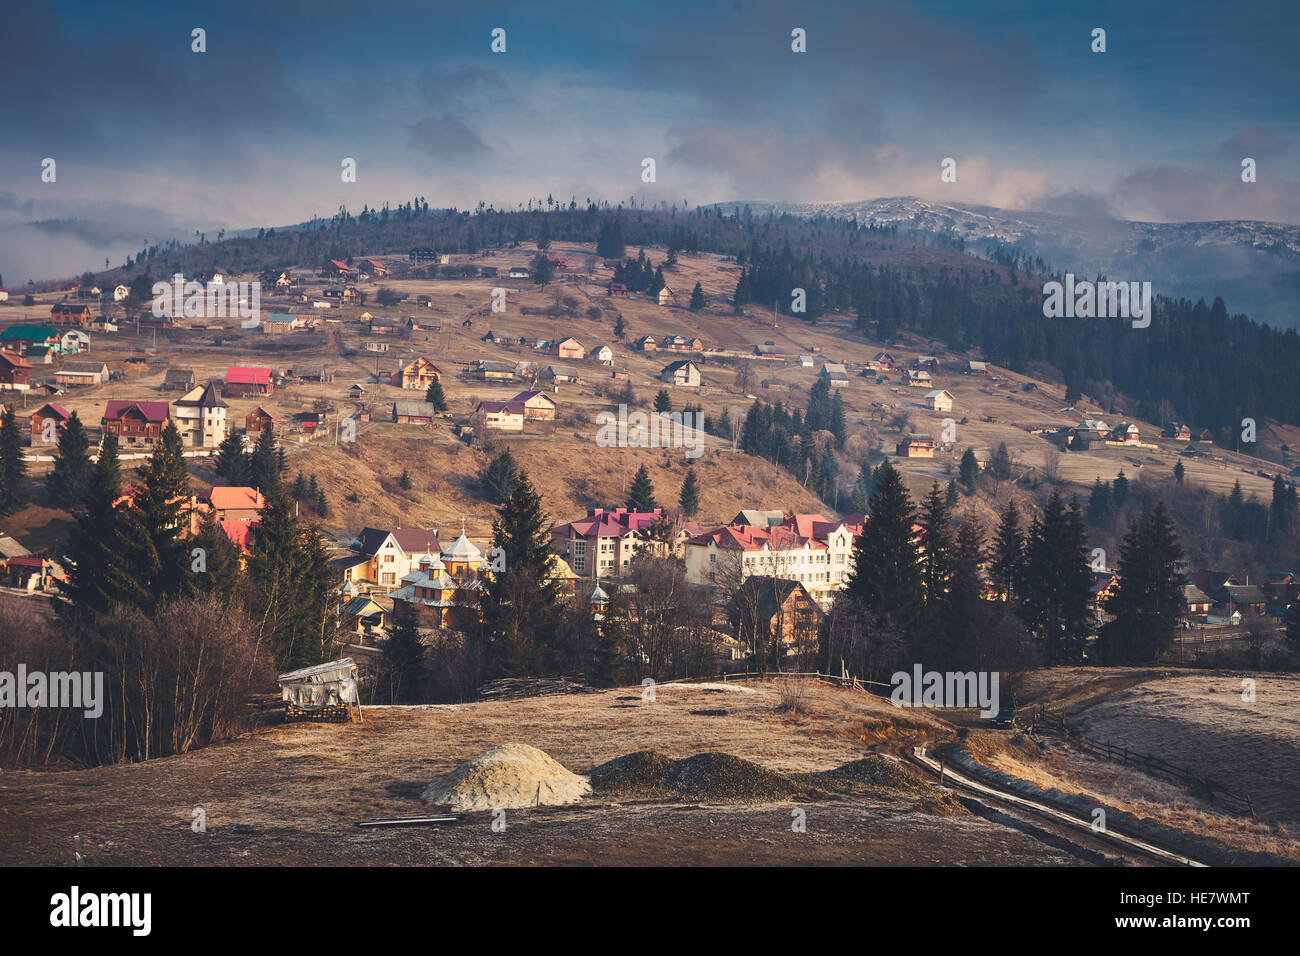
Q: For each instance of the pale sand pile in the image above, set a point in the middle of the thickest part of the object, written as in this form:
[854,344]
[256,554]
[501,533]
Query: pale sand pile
[505,778]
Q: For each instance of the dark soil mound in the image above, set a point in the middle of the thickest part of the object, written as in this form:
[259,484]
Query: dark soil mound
[713,777]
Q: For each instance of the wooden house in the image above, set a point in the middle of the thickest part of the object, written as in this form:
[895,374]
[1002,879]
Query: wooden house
[136,424]
[915,446]
[241,381]
[418,374]
[257,421]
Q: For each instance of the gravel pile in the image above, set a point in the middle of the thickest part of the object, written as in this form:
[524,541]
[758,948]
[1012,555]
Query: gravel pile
[713,777]
[505,778]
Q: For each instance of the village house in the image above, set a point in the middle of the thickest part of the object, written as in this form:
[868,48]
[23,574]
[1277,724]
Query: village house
[569,348]
[603,354]
[335,268]
[939,400]
[20,338]
[257,421]
[683,372]
[646,343]
[201,417]
[834,373]
[977,368]
[805,361]
[374,268]
[489,371]
[236,503]
[15,372]
[915,446]
[666,296]
[136,424]
[617,288]
[415,323]
[884,361]
[602,544]
[49,412]
[414,413]
[439,583]
[518,272]
[1126,433]
[1177,432]
[74,341]
[559,373]
[82,373]
[384,326]
[281,323]
[917,378]
[770,609]
[769,352]
[803,547]
[242,382]
[681,343]
[500,416]
[538,406]
[385,557]
[65,313]
[419,374]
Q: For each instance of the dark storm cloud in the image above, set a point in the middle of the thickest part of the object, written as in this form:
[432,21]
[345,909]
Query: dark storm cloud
[130,92]
[437,86]
[446,137]
[1254,141]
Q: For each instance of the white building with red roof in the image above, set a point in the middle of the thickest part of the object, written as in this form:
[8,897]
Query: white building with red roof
[807,548]
[602,544]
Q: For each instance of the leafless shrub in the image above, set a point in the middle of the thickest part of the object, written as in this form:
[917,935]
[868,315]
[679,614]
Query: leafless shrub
[792,695]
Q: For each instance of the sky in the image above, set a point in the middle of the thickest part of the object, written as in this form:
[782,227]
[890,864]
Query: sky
[153,140]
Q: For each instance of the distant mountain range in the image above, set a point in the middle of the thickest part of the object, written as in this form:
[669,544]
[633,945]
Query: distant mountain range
[1254,266]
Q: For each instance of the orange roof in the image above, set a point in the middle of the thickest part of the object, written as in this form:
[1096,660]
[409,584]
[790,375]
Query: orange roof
[235,497]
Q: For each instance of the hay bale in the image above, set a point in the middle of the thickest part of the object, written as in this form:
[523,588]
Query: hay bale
[509,777]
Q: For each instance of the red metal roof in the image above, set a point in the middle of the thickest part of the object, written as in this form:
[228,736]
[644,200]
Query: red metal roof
[152,411]
[238,375]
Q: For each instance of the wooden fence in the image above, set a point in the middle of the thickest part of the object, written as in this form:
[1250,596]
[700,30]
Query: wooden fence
[1151,764]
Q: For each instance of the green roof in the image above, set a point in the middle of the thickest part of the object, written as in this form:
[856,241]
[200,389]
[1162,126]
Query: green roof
[28,333]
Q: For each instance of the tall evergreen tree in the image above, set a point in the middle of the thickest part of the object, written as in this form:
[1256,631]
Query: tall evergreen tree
[162,506]
[663,401]
[220,574]
[1148,601]
[231,463]
[1119,490]
[886,575]
[266,463]
[689,499]
[1057,582]
[969,470]
[520,606]
[641,497]
[698,302]
[13,470]
[500,477]
[435,396]
[1007,568]
[72,466]
[404,667]
[105,543]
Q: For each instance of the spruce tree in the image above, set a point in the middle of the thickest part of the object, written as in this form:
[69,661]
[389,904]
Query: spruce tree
[13,470]
[1057,582]
[698,302]
[105,542]
[663,401]
[72,465]
[404,480]
[950,495]
[220,574]
[886,575]
[499,479]
[162,506]
[299,487]
[1007,568]
[1119,490]
[689,499]
[1000,466]
[322,505]
[1100,503]
[969,470]
[435,396]
[1148,601]
[266,462]
[520,606]
[404,668]
[619,330]
[230,463]
[642,495]
[1179,472]
[838,425]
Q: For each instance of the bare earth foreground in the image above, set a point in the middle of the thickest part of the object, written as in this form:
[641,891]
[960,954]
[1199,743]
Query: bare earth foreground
[293,794]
